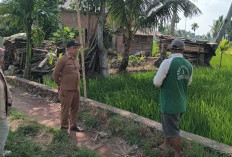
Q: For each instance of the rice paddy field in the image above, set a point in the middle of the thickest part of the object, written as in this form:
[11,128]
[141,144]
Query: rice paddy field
[209,109]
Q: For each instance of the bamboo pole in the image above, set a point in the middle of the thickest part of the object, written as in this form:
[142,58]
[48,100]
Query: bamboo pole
[82,47]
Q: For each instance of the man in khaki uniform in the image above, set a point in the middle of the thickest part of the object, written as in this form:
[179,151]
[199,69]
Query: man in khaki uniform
[67,77]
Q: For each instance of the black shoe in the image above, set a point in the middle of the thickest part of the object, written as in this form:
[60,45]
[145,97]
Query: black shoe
[77,129]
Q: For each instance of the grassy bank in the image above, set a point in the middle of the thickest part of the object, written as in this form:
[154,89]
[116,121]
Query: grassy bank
[142,140]
[27,138]
[209,101]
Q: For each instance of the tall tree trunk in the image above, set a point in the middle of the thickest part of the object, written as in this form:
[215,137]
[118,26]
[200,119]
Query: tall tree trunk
[114,37]
[185,34]
[223,27]
[124,63]
[88,30]
[82,47]
[27,72]
[102,50]
[173,22]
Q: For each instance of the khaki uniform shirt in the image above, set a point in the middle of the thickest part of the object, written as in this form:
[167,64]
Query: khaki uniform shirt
[66,73]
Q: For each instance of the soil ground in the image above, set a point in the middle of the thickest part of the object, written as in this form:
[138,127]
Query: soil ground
[48,114]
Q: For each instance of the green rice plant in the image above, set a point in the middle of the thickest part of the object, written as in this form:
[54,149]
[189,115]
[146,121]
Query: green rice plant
[209,98]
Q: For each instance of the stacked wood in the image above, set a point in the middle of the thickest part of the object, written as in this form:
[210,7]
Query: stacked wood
[9,54]
[19,43]
[92,64]
[197,52]
[38,55]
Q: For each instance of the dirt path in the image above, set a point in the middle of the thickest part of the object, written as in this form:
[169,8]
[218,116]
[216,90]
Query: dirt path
[48,114]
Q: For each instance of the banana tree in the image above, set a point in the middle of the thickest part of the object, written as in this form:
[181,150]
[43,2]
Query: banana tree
[223,46]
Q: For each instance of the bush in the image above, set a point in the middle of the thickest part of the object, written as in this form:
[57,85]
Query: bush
[136,61]
[62,36]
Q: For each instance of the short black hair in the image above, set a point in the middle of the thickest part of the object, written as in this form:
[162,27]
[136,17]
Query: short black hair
[72,43]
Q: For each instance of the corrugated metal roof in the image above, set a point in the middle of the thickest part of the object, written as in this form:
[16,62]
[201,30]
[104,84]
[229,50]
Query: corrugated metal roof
[146,32]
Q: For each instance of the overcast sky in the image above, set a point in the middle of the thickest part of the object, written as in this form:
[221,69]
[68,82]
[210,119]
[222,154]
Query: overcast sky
[211,10]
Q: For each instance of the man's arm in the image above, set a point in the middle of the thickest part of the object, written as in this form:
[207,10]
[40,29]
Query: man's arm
[191,78]
[58,68]
[161,73]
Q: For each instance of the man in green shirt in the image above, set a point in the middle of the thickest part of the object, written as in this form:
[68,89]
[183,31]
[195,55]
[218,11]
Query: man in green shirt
[173,77]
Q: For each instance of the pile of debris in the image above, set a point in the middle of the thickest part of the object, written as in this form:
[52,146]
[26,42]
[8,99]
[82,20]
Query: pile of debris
[15,57]
[197,52]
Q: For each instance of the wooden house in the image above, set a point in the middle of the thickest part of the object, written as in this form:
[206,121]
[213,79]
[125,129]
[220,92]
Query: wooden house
[197,52]
[142,41]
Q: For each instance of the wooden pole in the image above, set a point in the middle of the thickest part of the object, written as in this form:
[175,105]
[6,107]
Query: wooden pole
[82,47]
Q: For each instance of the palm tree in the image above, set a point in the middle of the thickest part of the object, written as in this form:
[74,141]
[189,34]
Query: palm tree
[132,15]
[26,13]
[189,12]
[224,24]
[194,27]
[216,26]
[208,35]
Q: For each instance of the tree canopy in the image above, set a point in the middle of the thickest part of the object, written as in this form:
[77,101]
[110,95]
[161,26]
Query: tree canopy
[27,14]
[132,15]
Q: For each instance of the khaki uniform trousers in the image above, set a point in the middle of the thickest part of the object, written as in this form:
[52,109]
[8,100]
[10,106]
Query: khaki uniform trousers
[69,108]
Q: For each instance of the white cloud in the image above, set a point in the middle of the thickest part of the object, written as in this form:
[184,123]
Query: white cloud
[211,10]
